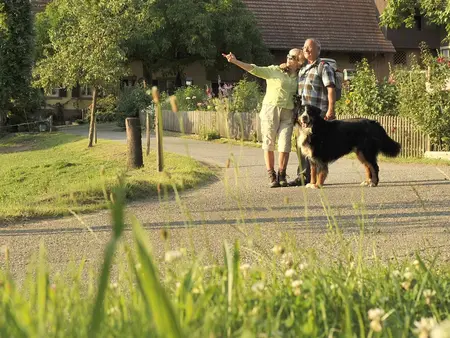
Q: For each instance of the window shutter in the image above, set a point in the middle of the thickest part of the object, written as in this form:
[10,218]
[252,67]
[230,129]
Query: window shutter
[62,92]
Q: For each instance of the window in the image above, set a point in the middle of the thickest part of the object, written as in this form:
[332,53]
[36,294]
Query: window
[86,90]
[445,51]
[354,58]
[400,58]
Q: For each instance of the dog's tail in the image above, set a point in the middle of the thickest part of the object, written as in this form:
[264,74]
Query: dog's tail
[388,146]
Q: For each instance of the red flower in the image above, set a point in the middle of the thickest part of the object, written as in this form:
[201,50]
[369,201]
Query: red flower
[440,59]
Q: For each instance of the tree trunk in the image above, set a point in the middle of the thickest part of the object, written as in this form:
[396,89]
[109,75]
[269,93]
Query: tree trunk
[134,143]
[92,124]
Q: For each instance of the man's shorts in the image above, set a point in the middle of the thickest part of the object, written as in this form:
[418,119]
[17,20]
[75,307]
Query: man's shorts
[276,123]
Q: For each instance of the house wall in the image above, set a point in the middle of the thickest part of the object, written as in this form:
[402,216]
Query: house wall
[72,106]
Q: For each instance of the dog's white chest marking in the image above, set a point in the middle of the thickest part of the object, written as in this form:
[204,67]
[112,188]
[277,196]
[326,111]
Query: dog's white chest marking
[303,143]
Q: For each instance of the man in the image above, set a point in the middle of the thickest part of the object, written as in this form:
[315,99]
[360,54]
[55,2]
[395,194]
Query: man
[316,87]
[276,111]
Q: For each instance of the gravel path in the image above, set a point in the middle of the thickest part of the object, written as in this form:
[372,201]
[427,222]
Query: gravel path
[408,211]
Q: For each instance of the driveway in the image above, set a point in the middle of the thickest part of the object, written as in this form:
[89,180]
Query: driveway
[409,211]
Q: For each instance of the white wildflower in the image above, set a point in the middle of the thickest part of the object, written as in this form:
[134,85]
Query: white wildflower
[416,264]
[396,273]
[112,310]
[303,266]
[113,286]
[245,267]
[408,275]
[297,292]
[194,97]
[287,259]
[442,330]
[171,256]
[258,287]
[424,327]
[289,273]
[428,294]
[375,319]
[278,250]
[188,98]
[297,283]
[375,314]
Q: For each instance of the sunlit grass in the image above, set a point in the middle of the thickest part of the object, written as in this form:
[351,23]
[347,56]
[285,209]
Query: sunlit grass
[48,174]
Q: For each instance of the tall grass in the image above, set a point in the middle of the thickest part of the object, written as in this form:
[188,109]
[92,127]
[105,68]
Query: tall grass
[286,292]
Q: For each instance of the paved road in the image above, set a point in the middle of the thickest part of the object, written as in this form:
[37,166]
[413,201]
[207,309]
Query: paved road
[408,211]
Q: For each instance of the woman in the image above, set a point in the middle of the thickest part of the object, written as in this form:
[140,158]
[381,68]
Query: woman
[276,112]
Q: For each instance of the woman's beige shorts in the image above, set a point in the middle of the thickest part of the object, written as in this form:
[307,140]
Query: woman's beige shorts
[276,123]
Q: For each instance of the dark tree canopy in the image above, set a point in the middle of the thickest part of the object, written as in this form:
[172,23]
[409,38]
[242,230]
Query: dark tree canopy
[16,57]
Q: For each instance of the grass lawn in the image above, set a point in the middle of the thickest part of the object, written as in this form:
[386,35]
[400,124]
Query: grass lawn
[48,174]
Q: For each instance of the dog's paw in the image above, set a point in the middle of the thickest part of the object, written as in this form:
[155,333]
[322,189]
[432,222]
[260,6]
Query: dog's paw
[312,186]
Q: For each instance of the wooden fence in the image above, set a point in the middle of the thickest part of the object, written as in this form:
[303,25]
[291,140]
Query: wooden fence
[414,142]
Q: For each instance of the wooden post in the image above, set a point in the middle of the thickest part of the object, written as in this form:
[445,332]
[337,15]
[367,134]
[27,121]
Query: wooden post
[158,130]
[147,129]
[134,143]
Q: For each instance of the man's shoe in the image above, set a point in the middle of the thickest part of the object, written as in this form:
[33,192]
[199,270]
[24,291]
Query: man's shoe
[273,180]
[298,181]
[282,178]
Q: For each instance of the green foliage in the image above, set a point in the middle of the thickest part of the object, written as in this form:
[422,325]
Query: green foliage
[16,50]
[184,31]
[82,42]
[130,103]
[426,100]
[366,96]
[246,97]
[208,134]
[190,98]
[402,12]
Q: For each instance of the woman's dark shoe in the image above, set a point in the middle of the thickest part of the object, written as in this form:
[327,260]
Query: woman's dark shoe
[273,180]
[282,178]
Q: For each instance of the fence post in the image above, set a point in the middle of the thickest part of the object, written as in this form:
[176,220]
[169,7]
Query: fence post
[134,143]
[158,130]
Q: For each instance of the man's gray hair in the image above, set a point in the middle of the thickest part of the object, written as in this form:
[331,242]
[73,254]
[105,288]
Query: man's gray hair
[316,42]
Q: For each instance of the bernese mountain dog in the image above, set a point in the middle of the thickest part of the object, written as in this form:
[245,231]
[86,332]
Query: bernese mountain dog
[323,142]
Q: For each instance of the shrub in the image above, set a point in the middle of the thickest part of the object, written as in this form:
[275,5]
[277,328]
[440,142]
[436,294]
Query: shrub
[246,97]
[425,100]
[107,103]
[208,134]
[366,96]
[130,103]
[190,98]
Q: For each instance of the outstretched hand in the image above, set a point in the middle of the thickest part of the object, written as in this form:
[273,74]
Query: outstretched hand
[230,57]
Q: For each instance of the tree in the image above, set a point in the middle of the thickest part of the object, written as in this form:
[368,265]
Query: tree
[16,50]
[186,31]
[83,43]
[399,12]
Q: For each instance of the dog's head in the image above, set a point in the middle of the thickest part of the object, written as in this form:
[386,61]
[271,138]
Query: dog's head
[308,114]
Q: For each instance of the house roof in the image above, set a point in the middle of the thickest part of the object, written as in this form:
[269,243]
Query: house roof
[342,25]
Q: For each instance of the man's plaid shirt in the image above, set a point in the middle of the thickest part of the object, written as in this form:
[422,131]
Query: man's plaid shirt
[312,86]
